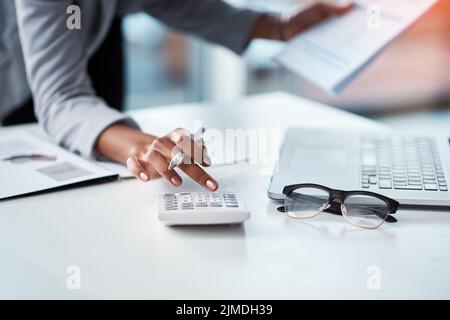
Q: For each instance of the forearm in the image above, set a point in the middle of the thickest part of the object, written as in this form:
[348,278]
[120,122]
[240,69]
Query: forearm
[119,142]
[213,20]
[65,101]
[279,27]
[268,26]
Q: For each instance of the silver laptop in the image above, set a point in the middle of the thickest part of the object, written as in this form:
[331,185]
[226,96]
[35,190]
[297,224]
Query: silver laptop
[413,169]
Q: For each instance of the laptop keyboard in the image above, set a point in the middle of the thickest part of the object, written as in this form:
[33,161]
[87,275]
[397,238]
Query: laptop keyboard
[401,163]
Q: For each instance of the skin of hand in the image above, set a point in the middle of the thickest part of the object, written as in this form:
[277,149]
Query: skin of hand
[148,157]
[283,28]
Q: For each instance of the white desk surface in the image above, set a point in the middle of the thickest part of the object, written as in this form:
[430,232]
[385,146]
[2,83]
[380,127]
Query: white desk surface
[111,231]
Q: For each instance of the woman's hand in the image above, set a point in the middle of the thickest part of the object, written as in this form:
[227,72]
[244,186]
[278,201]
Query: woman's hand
[275,27]
[149,162]
[148,157]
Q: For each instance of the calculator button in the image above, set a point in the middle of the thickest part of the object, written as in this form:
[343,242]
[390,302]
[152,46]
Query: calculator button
[201,205]
[171,205]
[215,205]
[169,195]
[232,204]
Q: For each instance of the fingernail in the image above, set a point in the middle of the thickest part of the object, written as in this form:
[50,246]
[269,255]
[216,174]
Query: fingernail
[143,176]
[176,181]
[207,160]
[211,185]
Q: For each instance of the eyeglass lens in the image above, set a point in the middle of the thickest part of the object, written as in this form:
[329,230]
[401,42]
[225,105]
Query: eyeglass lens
[306,203]
[365,211]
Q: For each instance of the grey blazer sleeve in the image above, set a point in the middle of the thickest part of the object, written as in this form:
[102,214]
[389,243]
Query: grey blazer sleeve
[56,62]
[212,20]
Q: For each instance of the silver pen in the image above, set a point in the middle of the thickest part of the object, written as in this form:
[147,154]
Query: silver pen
[30,157]
[178,158]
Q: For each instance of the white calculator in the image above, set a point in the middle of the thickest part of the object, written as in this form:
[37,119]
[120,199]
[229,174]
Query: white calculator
[201,208]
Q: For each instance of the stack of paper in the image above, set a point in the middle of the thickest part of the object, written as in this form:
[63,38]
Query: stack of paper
[332,54]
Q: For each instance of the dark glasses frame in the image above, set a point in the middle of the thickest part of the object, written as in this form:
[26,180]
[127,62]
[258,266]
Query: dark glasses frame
[341,196]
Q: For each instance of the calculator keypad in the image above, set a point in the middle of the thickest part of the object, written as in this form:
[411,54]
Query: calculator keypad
[189,201]
[170,202]
[230,200]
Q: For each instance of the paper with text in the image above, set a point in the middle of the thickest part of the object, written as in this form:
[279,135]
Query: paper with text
[332,54]
[29,164]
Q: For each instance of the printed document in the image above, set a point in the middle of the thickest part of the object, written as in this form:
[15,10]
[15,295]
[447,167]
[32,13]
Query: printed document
[333,53]
[29,164]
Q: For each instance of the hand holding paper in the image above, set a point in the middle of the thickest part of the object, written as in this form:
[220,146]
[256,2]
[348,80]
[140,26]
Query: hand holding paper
[285,27]
[332,54]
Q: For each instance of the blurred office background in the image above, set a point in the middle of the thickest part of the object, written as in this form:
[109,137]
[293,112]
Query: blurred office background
[165,67]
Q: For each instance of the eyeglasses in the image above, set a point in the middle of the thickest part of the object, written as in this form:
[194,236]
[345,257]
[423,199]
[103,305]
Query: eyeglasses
[360,208]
